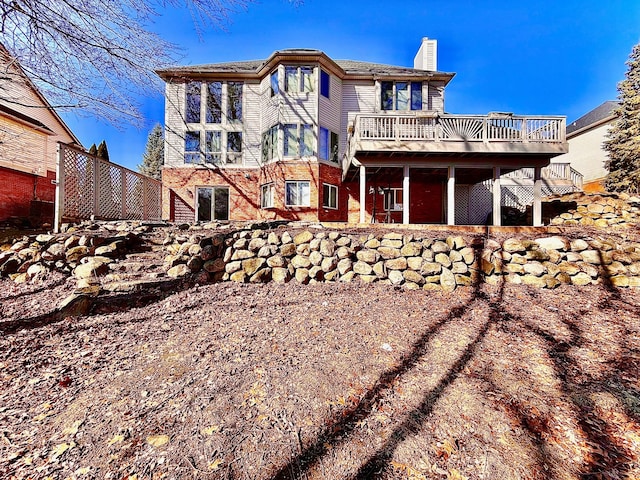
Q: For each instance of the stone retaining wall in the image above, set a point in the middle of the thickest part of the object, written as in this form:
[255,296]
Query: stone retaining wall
[401,259]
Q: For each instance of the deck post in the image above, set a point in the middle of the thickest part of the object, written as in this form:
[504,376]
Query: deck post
[497,197]
[363,192]
[451,196]
[537,197]
[405,195]
[59,205]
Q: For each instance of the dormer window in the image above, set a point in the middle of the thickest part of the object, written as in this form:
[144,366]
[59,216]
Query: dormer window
[298,79]
[401,95]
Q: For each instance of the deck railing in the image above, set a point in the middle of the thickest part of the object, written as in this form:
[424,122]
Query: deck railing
[553,171]
[460,128]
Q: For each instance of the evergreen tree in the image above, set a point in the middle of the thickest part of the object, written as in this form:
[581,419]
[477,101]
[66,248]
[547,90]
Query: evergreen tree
[153,156]
[93,150]
[623,143]
[103,152]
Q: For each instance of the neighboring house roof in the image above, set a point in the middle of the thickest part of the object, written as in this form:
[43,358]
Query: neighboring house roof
[599,115]
[343,68]
[25,119]
[7,58]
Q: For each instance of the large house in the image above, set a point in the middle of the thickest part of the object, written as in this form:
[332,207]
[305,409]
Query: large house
[30,130]
[586,138]
[300,136]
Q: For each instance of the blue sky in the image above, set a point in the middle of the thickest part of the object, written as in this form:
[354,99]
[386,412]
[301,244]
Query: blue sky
[535,57]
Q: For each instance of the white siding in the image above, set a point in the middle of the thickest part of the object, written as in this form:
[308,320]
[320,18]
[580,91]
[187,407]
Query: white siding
[252,124]
[23,148]
[435,101]
[357,97]
[174,125]
[586,154]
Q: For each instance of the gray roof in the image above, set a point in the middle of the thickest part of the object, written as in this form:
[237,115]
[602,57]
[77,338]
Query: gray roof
[352,67]
[594,116]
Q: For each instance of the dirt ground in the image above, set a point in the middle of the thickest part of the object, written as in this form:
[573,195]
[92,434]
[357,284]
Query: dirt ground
[326,381]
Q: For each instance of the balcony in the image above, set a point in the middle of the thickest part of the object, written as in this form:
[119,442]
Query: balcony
[428,132]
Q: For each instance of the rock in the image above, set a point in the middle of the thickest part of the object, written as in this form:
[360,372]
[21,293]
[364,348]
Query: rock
[252,265]
[553,243]
[399,263]
[431,268]
[595,208]
[615,268]
[91,269]
[328,264]
[459,267]
[77,304]
[534,281]
[440,247]
[194,264]
[411,249]
[261,276]
[538,255]
[256,244]
[280,275]
[177,271]
[302,275]
[396,277]
[380,270]
[534,268]
[389,252]
[74,254]
[443,259]
[362,268]
[589,269]
[303,237]
[392,236]
[316,273]
[619,281]
[331,276]
[300,261]
[447,280]
[238,277]
[54,252]
[595,257]
[35,270]
[327,247]
[580,279]
[242,255]
[233,267]
[344,266]
[44,238]
[415,263]
[468,255]
[347,277]
[372,243]
[413,276]
[456,243]
[214,266]
[578,245]
[10,266]
[514,245]
[368,256]
[288,250]
[315,257]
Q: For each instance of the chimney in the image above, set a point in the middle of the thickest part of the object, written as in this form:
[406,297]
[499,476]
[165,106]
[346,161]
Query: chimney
[427,56]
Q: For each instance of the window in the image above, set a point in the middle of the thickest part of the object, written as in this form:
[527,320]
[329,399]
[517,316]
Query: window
[298,140]
[234,147]
[329,196]
[212,147]
[270,144]
[234,101]
[275,88]
[296,194]
[324,84]
[298,79]
[291,140]
[328,149]
[267,195]
[213,113]
[401,95]
[193,92]
[393,199]
[306,140]
[192,147]
[213,203]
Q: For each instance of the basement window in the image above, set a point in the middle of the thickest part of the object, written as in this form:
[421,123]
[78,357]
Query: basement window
[297,194]
[329,196]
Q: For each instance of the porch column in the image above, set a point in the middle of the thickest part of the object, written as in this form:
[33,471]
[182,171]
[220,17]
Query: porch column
[451,196]
[497,197]
[363,192]
[405,195]
[537,196]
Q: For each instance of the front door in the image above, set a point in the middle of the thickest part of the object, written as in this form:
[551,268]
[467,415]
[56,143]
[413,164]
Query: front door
[213,203]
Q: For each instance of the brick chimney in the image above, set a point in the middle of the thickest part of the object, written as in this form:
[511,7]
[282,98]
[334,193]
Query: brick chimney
[427,56]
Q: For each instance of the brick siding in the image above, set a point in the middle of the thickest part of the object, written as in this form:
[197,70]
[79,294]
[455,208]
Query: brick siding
[18,190]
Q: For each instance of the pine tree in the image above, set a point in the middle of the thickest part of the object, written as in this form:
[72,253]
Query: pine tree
[623,143]
[93,150]
[103,152]
[153,156]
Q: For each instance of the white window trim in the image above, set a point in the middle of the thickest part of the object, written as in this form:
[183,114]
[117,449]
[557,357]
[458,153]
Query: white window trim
[270,188]
[288,182]
[324,199]
[395,95]
[395,207]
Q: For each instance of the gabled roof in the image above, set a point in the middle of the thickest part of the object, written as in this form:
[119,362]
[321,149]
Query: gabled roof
[342,68]
[6,55]
[601,114]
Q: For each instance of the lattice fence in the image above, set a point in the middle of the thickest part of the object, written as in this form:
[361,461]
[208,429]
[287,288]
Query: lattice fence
[88,185]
